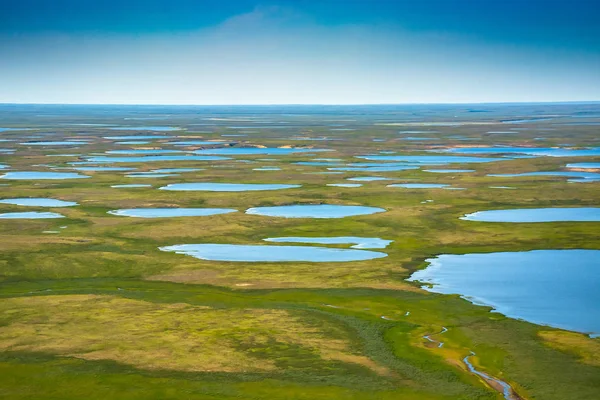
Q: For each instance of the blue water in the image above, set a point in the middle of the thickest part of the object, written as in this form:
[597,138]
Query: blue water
[314,211]
[419,185]
[590,165]
[539,151]
[577,175]
[13,129]
[266,253]
[34,175]
[133,185]
[266,169]
[255,150]
[3,166]
[433,160]
[30,215]
[579,214]
[143,159]
[136,137]
[38,202]
[170,212]
[550,287]
[346,185]
[133,142]
[227,187]
[357,242]
[146,128]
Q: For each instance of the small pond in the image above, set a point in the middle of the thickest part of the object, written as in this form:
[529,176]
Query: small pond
[30,215]
[38,202]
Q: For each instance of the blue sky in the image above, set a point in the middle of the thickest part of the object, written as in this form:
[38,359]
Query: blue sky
[298,51]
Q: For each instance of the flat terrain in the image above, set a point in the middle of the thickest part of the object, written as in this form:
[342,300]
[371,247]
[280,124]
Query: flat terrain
[90,307]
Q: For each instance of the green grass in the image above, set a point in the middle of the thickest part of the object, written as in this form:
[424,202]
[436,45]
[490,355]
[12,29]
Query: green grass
[97,311]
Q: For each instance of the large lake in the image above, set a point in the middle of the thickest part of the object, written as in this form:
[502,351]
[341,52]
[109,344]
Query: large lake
[551,287]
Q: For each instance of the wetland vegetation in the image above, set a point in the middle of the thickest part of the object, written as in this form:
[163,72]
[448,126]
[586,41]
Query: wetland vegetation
[316,288]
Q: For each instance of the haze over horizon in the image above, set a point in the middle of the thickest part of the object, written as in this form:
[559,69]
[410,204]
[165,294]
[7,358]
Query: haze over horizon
[269,52]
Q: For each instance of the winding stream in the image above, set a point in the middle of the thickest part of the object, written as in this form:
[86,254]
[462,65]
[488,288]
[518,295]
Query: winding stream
[440,344]
[507,390]
[497,384]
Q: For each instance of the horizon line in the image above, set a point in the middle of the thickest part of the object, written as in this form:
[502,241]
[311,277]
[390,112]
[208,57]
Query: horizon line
[305,104]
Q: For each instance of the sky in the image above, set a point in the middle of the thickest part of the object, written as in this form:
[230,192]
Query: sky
[213,52]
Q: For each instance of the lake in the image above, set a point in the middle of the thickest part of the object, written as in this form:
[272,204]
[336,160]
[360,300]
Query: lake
[578,214]
[35,175]
[588,165]
[266,253]
[534,151]
[357,242]
[38,202]
[550,287]
[30,215]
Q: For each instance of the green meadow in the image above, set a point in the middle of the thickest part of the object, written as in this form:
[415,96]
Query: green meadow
[91,308]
